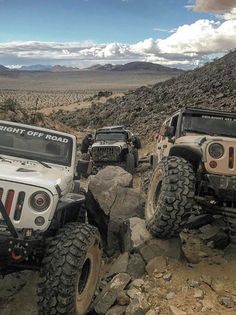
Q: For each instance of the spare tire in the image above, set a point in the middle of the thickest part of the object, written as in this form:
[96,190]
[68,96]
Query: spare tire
[170,197]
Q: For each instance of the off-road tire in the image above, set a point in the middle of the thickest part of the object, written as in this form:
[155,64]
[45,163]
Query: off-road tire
[170,197]
[130,163]
[71,265]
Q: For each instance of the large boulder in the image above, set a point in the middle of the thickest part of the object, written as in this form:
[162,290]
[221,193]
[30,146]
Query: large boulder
[109,294]
[110,201]
[104,184]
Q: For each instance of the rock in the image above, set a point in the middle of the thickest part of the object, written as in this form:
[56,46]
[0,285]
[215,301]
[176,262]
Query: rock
[137,283]
[104,183]
[214,234]
[133,293]
[136,266]
[117,310]
[123,299]
[198,294]
[170,296]
[128,203]
[207,305]
[176,311]
[230,252]
[109,294]
[110,201]
[134,234]
[167,277]
[138,306]
[226,301]
[194,248]
[170,248]
[156,264]
[120,265]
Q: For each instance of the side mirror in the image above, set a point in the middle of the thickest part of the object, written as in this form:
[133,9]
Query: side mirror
[167,131]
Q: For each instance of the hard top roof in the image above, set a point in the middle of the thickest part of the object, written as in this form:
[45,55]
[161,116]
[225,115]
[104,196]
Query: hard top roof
[204,111]
[112,128]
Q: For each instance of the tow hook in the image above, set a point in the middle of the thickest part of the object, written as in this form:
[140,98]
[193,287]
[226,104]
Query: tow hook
[18,250]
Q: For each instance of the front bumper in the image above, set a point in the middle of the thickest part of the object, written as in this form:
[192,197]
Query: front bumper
[224,186]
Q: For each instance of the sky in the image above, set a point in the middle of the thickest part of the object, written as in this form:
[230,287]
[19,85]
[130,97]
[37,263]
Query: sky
[81,33]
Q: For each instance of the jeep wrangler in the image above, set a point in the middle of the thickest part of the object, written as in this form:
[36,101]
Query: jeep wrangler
[194,170]
[117,146]
[43,222]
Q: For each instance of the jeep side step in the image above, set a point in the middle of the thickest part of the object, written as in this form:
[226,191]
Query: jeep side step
[8,221]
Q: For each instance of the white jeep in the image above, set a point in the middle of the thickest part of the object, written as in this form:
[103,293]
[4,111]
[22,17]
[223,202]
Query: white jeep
[43,218]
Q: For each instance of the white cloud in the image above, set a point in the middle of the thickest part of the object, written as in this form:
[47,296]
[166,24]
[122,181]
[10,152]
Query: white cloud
[189,46]
[158,29]
[215,5]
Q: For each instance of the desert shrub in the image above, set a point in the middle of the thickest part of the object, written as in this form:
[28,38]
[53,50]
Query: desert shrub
[9,104]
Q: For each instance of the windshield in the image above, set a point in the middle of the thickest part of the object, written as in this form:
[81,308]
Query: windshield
[111,136]
[35,144]
[211,125]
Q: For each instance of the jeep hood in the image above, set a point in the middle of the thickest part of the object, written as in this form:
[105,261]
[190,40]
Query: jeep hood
[196,139]
[35,175]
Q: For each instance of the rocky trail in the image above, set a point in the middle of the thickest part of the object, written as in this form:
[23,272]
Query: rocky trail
[191,274]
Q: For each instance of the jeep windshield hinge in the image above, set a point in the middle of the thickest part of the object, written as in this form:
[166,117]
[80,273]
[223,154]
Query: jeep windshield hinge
[8,220]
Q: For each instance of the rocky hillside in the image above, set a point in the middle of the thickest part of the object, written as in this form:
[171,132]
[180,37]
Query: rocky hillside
[212,86]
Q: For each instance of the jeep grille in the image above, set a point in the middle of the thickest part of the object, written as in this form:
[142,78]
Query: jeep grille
[13,202]
[106,154]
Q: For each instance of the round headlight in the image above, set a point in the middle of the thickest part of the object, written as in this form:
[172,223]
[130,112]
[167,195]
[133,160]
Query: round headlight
[40,201]
[216,150]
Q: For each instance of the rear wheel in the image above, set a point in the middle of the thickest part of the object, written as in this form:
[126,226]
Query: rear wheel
[170,197]
[70,271]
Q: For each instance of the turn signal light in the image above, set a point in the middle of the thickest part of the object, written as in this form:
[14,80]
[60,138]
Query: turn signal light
[213,164]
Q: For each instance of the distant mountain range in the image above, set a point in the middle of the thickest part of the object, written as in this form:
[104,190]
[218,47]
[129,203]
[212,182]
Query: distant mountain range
[134,66]
[4,69]
[131,66]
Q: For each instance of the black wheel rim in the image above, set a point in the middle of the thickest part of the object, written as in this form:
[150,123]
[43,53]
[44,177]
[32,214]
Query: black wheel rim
[84,276]
[157,194]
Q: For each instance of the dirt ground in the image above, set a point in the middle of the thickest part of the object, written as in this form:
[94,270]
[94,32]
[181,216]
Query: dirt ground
[18,294]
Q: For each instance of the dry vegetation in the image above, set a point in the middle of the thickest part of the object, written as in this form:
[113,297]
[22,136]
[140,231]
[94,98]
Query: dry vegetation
[29,99]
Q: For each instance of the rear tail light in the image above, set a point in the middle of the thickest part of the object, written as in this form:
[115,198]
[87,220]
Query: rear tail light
[19,206]
[9,200]
[231,157]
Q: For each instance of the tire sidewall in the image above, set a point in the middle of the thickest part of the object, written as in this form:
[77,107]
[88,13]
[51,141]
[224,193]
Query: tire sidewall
[151,208]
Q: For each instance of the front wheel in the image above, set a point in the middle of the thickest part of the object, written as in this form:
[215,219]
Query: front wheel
[130,163]
[70,271]
[170,197]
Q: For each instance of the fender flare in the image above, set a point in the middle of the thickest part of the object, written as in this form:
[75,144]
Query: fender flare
[191,154]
